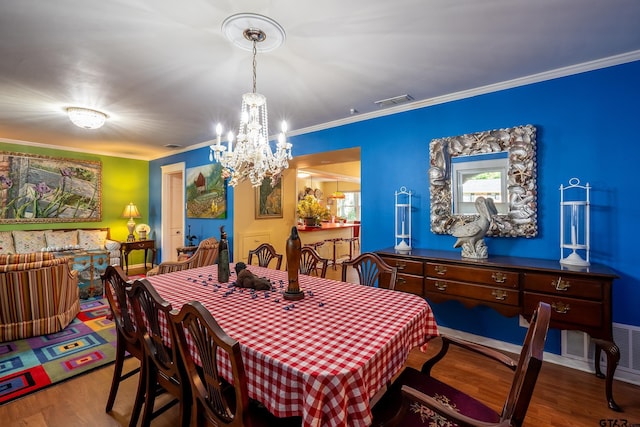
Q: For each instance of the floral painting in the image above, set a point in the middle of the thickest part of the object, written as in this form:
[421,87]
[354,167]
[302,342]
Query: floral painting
[206,192]
[37,189]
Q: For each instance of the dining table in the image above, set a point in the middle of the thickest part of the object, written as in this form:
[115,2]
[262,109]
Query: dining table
[321,358]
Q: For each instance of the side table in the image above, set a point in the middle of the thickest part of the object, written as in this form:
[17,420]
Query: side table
[127,247]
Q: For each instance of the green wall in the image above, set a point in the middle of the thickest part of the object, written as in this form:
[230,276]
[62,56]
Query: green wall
[123,181]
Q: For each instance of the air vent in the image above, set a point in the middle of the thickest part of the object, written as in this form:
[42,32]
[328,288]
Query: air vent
[577,345]
[396,100]
[173,146]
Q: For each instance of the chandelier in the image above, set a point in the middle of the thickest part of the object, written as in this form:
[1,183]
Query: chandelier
[251,157]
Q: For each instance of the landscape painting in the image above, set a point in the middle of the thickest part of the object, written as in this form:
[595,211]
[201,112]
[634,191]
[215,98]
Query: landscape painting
[206,192]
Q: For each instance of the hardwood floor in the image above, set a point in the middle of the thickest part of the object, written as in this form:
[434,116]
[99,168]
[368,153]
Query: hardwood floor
[563,396]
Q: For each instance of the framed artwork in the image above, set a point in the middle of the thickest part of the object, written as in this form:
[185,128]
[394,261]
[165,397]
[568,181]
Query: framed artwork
[269,200]
[41,189]
[206,192]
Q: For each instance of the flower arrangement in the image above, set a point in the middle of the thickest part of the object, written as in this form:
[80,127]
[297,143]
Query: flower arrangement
[310,207]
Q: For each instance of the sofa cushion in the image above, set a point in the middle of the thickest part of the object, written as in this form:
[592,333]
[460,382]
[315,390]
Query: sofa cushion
[61,239]
[92,239]
[6,243]
[29,241]
[112,245]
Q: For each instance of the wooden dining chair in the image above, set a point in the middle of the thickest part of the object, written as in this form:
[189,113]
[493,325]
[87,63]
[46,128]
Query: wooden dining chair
[372,271]
[265,253]
[162,366]
[216,400]
[127,341]
[311,263]
[417,399]
[206,254]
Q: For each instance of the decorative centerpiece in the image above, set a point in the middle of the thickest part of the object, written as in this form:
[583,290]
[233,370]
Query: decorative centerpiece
[471,235]
[311,211]
[223,257]
[294,247]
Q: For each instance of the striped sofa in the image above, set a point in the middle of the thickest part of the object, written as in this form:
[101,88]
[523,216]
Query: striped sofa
[38,295]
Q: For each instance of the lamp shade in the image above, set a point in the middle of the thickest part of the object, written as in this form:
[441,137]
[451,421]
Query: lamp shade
[131,211]
[337,194]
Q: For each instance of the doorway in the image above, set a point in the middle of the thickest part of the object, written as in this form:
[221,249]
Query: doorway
[172,236]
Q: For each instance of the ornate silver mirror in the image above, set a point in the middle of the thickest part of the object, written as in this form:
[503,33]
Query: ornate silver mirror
[500,164]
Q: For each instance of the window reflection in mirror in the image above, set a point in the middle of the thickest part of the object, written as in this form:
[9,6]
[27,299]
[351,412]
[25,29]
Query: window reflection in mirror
[479,175]
[519,144]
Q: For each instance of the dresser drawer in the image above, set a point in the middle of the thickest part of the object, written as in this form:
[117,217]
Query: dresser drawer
[406,266]
[493,294]
[566,310]
[409,283]
[143,244]
[488,276]
[564,285]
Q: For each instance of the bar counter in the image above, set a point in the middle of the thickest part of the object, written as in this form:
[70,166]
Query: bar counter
[326,232]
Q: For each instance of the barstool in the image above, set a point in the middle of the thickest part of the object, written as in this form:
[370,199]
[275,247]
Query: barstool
[315,245]
[354,240]
[351,241]
[334,241]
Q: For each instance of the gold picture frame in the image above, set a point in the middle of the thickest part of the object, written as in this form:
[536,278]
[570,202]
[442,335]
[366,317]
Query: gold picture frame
[268,200]
[42,189]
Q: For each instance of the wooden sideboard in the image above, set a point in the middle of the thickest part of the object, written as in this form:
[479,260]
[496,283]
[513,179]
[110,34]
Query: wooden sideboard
[580,299]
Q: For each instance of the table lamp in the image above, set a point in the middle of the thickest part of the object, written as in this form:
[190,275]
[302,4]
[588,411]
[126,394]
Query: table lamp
[131,211]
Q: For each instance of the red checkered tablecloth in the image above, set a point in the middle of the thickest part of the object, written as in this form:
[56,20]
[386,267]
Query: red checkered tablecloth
[321,358]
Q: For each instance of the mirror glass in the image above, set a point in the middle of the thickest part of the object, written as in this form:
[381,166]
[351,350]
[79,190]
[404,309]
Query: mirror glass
[500,164]
[479,175]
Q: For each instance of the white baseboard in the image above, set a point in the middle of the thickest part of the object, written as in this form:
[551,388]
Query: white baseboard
[548,357]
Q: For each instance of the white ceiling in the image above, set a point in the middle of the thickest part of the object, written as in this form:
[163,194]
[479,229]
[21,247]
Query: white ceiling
[165,74]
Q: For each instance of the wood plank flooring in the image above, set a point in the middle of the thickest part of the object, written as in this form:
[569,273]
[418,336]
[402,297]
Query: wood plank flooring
[563,396]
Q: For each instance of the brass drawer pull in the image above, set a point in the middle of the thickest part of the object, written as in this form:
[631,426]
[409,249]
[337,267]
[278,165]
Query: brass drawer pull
[561,285]
[441,286]
[499,277]
[499,294]
[401,265]
[560,307]
[441,269]
[401,281]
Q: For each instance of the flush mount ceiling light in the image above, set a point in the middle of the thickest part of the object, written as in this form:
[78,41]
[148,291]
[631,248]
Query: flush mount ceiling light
[252,157]
[86,118]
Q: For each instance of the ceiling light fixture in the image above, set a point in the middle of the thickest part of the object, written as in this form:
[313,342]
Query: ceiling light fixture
[337,194]
[86,118]
[252,157]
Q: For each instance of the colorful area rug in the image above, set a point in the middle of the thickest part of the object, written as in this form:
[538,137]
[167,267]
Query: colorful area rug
[34,363]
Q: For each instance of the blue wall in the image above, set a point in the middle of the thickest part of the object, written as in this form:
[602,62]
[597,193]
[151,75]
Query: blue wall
[202,228]
[585,128]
